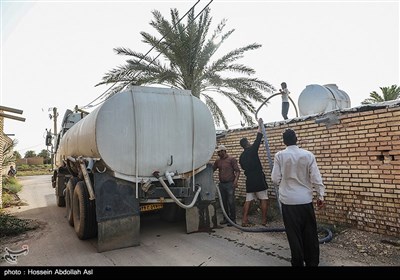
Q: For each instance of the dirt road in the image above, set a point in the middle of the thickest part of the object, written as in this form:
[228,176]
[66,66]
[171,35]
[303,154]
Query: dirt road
[162,243]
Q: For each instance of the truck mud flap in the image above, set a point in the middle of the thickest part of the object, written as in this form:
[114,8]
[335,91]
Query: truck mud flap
[118,214]
[203,216]
[60,184]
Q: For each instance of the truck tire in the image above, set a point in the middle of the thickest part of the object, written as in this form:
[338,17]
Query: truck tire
[84,212]
[53,179]
[69,194]
[60,201]
[60,186]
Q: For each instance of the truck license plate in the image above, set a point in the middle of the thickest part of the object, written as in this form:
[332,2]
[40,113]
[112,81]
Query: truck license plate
[150,207]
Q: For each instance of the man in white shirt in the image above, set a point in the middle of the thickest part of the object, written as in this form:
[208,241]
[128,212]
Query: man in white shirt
[296,173]
[285,100]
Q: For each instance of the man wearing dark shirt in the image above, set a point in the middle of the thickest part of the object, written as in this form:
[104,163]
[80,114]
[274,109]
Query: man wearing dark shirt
[256,186]
[12,172]
[228,180]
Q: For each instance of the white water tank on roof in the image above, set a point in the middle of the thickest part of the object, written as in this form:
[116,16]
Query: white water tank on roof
[315,99]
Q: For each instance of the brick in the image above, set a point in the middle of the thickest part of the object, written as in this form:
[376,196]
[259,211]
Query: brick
[386,115]
[390,195]
[371,127]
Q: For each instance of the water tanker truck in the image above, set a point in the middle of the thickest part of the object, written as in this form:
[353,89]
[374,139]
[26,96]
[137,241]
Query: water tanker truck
[143,148]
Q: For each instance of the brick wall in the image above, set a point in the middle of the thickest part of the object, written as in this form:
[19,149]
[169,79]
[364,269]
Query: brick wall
[359,160]
[31,161]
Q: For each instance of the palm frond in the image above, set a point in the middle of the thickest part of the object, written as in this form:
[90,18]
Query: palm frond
[7,149]
[215,111]
[388,93]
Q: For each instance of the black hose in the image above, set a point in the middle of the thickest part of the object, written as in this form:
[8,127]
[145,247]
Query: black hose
[328,235]
[246,229]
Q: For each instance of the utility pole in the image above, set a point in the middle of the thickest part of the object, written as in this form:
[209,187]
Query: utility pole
[54,117]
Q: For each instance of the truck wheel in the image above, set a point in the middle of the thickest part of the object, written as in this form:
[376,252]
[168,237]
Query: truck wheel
[84,212]
[53,179]
[60,201]
[60,186]
[69,194]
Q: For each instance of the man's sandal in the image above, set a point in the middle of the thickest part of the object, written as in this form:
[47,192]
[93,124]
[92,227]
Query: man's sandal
[247,224]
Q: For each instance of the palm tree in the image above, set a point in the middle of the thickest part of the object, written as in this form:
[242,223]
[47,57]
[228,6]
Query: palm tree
[29,154]
[187,64]
[45,154]
[388,93]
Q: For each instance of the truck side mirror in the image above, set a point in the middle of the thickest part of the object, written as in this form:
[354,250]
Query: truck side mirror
[48,140]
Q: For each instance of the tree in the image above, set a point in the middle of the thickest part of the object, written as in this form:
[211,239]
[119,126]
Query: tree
[45,154]
[187,54]
[388,93]
[17,155]
[30,154]
[8,154]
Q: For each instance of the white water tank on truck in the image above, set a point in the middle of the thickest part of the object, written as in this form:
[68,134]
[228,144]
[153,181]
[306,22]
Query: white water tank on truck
[142,130]
[316,99]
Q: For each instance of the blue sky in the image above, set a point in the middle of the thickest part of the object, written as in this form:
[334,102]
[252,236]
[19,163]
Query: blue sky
[54,52]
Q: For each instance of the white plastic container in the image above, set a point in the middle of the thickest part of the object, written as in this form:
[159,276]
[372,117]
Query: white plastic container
[145,129]
[315,99]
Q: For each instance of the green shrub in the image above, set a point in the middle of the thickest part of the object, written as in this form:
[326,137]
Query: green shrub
[9,180]
[11,184]
[23,167]
[7,198]
[11,187]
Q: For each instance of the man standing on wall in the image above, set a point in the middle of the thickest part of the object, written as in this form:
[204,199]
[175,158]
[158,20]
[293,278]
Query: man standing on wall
[228,180]
[296,173]
[285,100]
